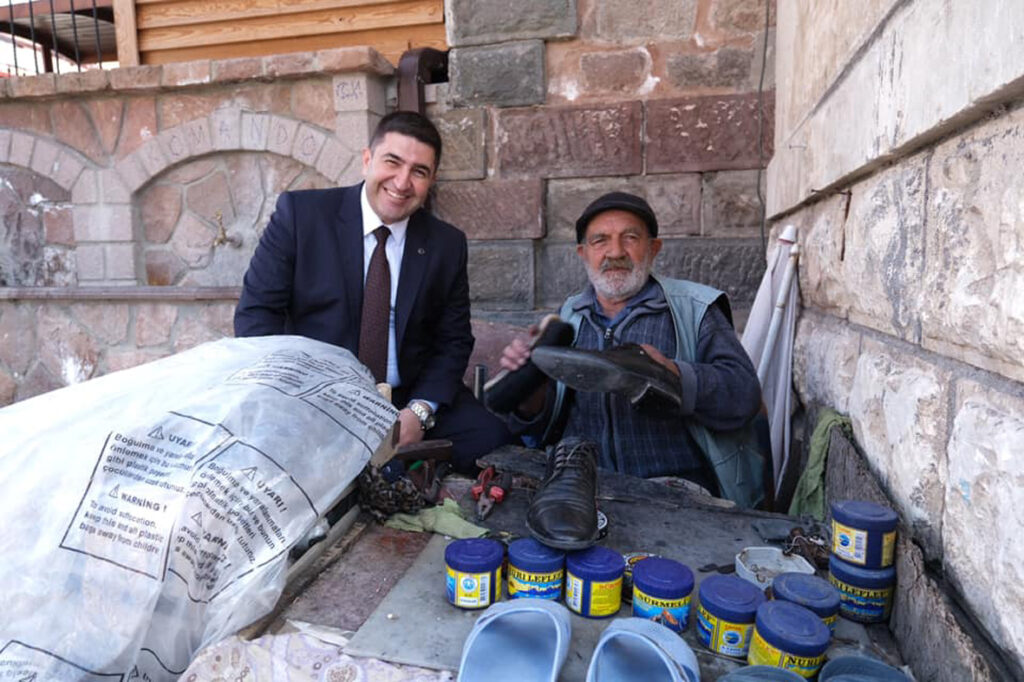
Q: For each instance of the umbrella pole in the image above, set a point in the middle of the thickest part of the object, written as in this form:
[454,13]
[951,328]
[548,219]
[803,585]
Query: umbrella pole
[780,304]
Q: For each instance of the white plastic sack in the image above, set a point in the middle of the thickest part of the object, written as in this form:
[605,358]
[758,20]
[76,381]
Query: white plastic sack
[149,512]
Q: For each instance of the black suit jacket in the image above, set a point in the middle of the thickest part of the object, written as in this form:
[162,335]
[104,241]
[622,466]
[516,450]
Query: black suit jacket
[306,278]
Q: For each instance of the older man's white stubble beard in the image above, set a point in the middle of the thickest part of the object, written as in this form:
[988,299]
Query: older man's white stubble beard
[618,285]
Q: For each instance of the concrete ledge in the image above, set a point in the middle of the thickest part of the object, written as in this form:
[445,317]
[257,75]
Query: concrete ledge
[200,73]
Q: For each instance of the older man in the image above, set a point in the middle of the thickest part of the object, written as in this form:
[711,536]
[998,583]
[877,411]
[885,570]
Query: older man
[704,432]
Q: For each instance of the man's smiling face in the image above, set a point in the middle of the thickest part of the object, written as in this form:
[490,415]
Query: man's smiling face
[398,171]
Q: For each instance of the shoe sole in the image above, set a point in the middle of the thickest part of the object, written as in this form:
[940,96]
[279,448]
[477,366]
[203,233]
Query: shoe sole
[584,371]
[557,544]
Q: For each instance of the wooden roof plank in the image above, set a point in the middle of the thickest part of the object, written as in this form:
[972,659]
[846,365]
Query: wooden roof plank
[391,43]
[398,14]
[163,13]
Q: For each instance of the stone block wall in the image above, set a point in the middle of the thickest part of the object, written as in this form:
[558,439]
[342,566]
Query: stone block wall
[904,186]
[133,199]
[551,103]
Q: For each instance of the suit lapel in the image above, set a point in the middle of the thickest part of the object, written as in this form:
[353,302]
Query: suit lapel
[350,241]
[414,267]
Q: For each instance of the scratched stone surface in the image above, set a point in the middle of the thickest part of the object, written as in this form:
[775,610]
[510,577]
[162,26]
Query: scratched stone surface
[706,133]
[556,142]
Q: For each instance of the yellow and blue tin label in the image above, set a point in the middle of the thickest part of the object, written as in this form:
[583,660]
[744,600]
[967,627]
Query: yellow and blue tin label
[602,599]
[851,545]
[535,585]
[672,613]
[473,590]
[865,605]
[763,653]
[722,636]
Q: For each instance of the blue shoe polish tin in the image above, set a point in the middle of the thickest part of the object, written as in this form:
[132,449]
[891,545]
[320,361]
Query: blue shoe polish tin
[473,572]
[864,533]
[811,592]
[725,615]
[535,570]
[593,582]
[661,592]
[789,636]
[865,595]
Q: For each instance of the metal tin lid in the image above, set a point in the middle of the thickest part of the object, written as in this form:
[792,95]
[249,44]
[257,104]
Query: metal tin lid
[474,555]
[792,628]
[730,598]
[663,578]
[864,515]
[861,577]
[595,563]
[809,591]
[529,555]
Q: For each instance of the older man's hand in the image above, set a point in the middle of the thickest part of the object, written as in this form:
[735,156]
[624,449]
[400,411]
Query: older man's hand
[514,355]
[660,358]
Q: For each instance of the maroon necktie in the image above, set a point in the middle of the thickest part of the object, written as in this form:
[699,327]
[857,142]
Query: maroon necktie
[373,329]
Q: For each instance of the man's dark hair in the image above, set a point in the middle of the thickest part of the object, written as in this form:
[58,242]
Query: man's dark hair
[411,124]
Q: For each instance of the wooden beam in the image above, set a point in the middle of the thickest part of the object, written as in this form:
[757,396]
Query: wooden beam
[161,13]
[327,22]
[391,43]
[127,36]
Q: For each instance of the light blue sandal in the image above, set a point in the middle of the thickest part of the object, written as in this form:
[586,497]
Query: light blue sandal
[517,641]
[860,669]
[640,649]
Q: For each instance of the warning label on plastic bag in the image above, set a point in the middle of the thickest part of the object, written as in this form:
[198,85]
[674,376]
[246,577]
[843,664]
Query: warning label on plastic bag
[294,372]
[125,515]
[336,390]
[243,510]
[28,664]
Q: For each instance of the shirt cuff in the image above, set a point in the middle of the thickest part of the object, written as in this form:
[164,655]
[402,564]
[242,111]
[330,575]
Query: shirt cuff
[688,383]
[431,403]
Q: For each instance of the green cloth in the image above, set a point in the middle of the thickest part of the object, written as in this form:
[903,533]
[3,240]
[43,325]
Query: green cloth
[445,519]
[809,496]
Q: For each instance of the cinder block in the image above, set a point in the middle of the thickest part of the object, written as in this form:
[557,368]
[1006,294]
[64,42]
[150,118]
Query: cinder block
[506,75]
[493,209]
[553,142]
[478,22]
[707,133]
[501,275]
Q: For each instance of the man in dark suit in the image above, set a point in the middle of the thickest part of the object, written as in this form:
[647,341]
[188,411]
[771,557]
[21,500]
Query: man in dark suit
[308,272]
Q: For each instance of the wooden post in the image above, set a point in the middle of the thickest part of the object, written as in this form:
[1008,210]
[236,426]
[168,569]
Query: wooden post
[126,33]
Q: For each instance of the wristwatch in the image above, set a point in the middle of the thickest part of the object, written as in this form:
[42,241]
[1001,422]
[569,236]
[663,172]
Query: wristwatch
[423,413]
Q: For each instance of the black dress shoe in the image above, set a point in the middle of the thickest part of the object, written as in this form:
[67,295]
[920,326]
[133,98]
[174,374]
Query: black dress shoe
[507,390]
[626,369]
[563,512]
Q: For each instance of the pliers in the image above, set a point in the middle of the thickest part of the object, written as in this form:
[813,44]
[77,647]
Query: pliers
[490,489]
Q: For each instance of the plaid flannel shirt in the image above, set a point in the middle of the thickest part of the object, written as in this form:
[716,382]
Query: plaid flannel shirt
[720,390]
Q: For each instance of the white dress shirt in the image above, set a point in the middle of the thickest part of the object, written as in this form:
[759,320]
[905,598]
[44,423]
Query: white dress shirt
[395,248]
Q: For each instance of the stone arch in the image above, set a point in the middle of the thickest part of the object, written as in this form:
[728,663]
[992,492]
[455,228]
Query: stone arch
[236,129]
[105,199]
[45,155]
[36,211]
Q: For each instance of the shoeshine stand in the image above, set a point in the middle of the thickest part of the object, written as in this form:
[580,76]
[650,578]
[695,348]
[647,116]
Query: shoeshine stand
[415,624]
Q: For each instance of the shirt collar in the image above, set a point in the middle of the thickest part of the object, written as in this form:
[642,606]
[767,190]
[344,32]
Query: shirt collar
[371,221]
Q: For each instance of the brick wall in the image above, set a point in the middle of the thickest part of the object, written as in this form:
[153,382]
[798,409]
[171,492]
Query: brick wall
[551,103]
